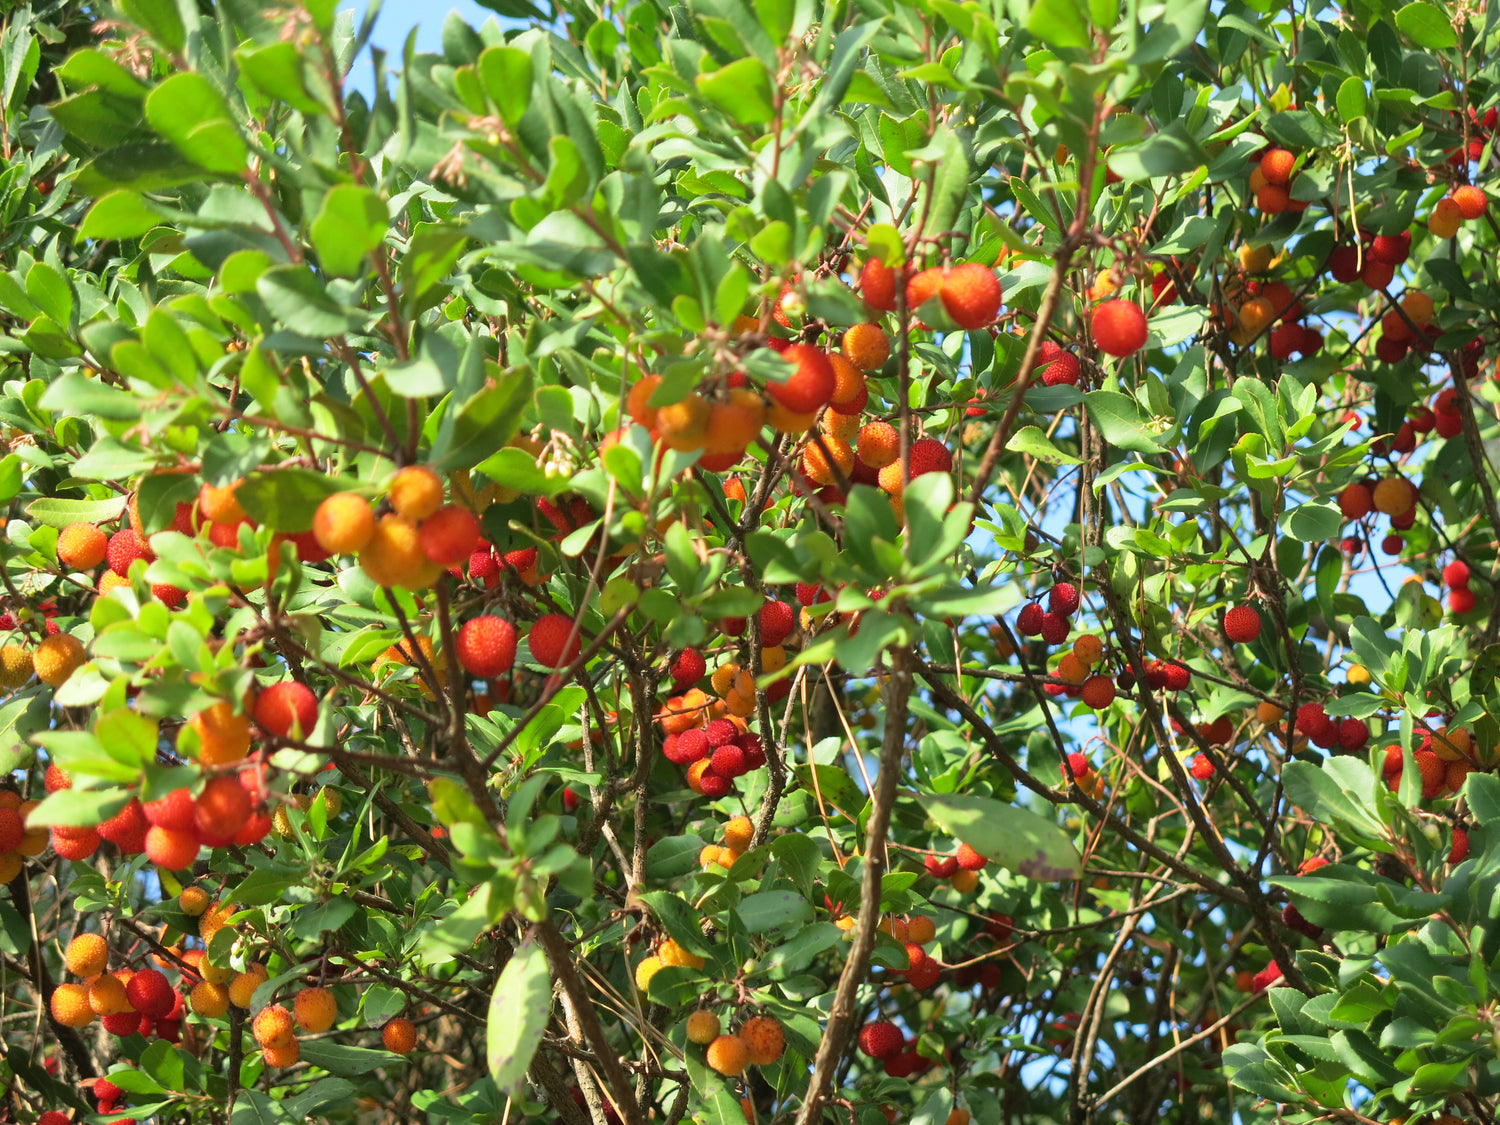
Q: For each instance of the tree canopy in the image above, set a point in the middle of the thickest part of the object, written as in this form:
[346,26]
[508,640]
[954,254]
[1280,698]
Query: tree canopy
[807,560]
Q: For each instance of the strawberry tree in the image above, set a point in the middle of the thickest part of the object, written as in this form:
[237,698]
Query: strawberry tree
[780,562]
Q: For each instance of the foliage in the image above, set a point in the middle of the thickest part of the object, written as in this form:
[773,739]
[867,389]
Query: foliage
[1080,648]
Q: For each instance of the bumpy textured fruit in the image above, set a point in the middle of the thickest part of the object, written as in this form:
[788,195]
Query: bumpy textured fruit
[969,859]
[222,809]
[416,492]
[449,535]
[171,848]
[82,546]
[107,995]
[728,1056]
[86,955]
[879,444]
[866,346]
[971,295]
[287,707]
[70,1005]
[1276,166]
[272,1026]
[344,523]
[15,666]
[316,1009]
[549,642]
[57,658]
[209,1000]
[193,901]
[1242,624]
[223,736]
[881,1040]
[877,285]
[125,547]
[487,646]
[150,994]
[243,987]
[702,1027]
[399,1035]
[763,1039]
[394,555]
[811,384]
[1470,200]
[738,833]
[1119,327]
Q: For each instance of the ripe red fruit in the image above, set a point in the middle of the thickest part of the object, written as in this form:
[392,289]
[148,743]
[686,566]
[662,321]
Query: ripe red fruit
[1098,692]
[971,295]
[1390,249]
[106,1091]
[1461,600]
[1344,263]
[286,707]
[1242,624]
[53,1117]
[1077,765]
[1276,166]
[1119,327]
[1029,620]
[1353,735]
[549,642]
[1456,574]
[714,785]
[969,859]
[122,1023]
[222,808]
[1460,850]
[777,620]
[1055,628]
[941,867]
[1471,201]
[686,748]
[1202,768]
[1356,501]
[125,547]
[877,285]
[812,381]
[150,994]
[688,669]
[449,535]
[175,811]
[882,1040]
[1064,598]
[1062,370]
[1311,718]
[729,761]
[486,646]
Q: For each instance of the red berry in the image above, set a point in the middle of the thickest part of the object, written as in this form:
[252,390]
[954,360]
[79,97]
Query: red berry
[687,669]
[1353,734]
[1456,574]
[1029,620]
[124,548]
[1064,599]
[1242,624]
[1119,327]
[883,1040]
[729,761]
[1202,767]
[941,867]
[1460,850]
[286,707]
[930,456]
[812,381]
[487,646]
[1055,628]
[150,994]
[777,620]
[971,295]
[969,859]
[549,642]
[1461,600]
[449,535]
[176,811]
[877,285]
[686,748]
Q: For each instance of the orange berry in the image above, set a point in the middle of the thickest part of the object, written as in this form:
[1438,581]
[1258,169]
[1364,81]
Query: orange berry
[281,1057]
[923,287]
[763,1040]
[1273,200]
[964,882]
[811,384]
[817,465]
[394,555]
[971,295]
[1268,713]
[416,492]
[1254,315]
[242,987]
[848,381]
[449,536]
[170,848]
[739,832]
[784,420]
[1089,648]
[70,1005]
[272,1027]
[879,444]
[702,1027]
[866,346]
[1394,496]
[1446,218]
[399,1035]
[344,523]
[921,929]
[845,427]
[734,424]
[86,955]
[82,546]
[209,1000]
[1470,200]
[316,1009]
[637,401]
[1276,166]
[727,1055]
[57,658]
[16,664]
[681,424]
[221,505]
[223,736]
[106,995]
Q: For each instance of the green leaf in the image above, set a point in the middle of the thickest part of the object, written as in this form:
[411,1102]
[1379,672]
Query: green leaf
[1312,522]
[53,511]
[340,1058]
[518,1015]
[486,421]
[1121,421]
[120,214]
[188,110]
[1059,23]
[1031,441]
[1339,791]
[1015,838]
[287,498]
[160,19]
[296,297]
[506,74]
[1427,26]
[1351,98]
[1169,152]
[49,289]
[770,910]
[351,223]
[672,856]
[77,808]
[741,90]
[276,70]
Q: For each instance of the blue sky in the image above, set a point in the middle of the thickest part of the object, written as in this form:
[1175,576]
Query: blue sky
[397,17]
